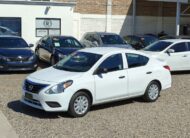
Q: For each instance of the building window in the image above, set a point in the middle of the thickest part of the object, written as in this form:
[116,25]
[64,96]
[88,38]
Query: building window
[10,26]
[48,26]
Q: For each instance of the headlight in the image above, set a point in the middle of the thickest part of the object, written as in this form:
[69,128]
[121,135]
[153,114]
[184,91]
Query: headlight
[2,58]
[59,88]
[32,58]
[61,56]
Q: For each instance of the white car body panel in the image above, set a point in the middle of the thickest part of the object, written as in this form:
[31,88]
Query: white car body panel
[103,88]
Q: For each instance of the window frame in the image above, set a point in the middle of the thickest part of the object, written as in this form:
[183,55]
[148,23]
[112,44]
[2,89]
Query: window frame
[12,18]
[178,44]
[122,61]
[48,29]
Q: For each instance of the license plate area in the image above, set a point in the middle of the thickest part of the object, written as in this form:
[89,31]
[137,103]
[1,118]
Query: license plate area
[29,96]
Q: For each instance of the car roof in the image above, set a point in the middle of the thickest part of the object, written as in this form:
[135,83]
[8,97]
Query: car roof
[140,36]
[9,36]
[109,50]
[176,40]
[61,36]
[102,33]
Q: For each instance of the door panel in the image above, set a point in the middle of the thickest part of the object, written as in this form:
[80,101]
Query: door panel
[111,85]
[138,79]
[45,49]
[139,73]
[179,59]
[111,79]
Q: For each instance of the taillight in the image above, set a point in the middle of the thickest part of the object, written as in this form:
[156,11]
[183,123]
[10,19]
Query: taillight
[167,67]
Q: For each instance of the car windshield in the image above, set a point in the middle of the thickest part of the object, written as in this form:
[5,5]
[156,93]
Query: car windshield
[12,43]
[78,62]
[66,42]
[147,40]
[157,46]
[112,39]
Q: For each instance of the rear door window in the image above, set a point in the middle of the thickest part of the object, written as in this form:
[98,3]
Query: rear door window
[135,60]
[188,44]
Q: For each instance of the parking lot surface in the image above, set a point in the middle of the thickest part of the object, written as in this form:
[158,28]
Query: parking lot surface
[168,117]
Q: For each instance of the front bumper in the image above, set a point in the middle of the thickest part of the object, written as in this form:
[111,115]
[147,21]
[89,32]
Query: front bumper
[18,66]
[41,100]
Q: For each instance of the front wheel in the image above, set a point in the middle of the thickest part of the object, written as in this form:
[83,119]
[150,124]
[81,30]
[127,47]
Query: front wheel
[79,104]
[152,92]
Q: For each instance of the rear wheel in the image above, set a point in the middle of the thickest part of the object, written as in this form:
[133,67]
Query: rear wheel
[152,92]
[79,104]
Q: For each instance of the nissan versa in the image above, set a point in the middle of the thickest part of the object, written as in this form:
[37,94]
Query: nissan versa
[95,75]
[16,55]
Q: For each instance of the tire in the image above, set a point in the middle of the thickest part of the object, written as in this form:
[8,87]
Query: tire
[52,61]
[78,109]
[152,92]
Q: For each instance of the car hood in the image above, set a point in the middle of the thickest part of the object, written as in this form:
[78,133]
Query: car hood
[66,51]
[54,75]
[15,52]
[120,46]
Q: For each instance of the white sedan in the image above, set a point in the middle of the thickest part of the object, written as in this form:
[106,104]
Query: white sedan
[95,75]
[176,52]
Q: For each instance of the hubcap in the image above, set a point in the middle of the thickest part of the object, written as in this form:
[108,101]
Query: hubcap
[153,91]
[81,105]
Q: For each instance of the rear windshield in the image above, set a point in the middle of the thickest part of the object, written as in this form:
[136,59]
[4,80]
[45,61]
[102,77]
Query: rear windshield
[12,43]
[112,39]
[157,46]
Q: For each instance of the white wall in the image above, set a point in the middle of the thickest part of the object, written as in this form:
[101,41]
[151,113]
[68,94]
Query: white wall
[29,13]
[123,25]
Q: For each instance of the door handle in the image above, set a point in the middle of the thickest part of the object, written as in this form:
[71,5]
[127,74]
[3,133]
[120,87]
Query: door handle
[150,72]
[121,77]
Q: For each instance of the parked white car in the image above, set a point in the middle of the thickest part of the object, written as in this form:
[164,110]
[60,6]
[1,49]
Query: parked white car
[95,75]
[176,52]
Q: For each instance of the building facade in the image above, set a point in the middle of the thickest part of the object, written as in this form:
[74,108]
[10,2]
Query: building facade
[31,20]
[117,16]
[35,18]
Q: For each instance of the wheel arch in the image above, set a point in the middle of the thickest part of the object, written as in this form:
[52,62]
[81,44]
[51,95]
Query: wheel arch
[160,84]
[87,92]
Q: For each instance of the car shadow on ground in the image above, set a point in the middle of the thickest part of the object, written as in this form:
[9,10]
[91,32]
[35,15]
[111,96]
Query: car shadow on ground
[19,107]
[180,72]
[117,103]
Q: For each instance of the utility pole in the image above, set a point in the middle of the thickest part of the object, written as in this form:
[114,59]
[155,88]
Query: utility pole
[108,16]
[134,17]
[178,12]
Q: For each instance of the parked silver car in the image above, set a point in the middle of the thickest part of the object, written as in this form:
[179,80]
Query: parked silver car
[95,39]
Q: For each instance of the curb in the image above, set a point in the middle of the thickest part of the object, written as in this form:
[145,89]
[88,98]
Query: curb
[6,130]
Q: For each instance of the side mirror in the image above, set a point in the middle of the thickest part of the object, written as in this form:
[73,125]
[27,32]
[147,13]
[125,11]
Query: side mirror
[31,45]
[95,43]
[170,51]
[101,70]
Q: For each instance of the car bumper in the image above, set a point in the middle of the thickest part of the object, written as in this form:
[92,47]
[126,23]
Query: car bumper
[44,101]
[17,66]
